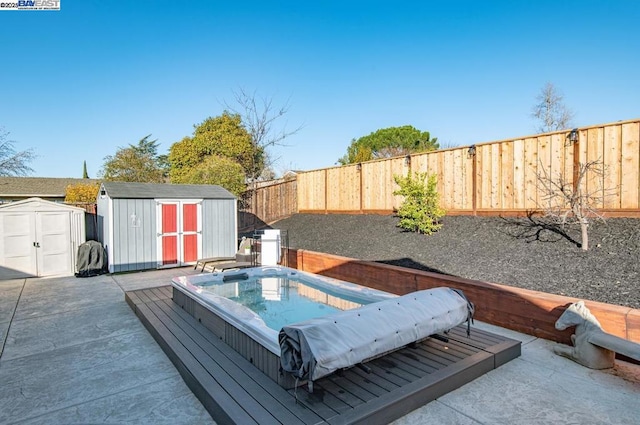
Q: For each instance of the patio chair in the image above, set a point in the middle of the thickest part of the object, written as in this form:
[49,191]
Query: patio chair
[243,253]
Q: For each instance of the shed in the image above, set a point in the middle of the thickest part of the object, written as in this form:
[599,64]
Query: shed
[147,225]
[39,238]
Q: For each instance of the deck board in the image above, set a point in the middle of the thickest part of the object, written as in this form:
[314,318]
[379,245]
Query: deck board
[215,367]
[207,346]
[234,391]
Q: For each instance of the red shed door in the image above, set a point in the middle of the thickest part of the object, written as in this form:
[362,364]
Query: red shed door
[179,233]
[190,233]
[169,234]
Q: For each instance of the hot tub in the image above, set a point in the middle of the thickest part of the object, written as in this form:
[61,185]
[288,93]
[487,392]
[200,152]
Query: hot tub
[248,308]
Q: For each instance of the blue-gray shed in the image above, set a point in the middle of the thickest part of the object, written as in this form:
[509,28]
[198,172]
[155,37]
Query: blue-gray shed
[148,225]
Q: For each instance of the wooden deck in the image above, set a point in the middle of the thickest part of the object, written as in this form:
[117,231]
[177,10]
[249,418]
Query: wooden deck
[235,392]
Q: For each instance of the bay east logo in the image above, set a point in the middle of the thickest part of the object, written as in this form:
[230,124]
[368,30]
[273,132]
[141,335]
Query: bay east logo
[30,5]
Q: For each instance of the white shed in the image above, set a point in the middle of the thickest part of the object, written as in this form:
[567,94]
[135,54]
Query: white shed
[39,238]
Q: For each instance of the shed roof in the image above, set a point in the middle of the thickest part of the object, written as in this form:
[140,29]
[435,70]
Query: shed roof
[166,191]
[47,187]
[37,204]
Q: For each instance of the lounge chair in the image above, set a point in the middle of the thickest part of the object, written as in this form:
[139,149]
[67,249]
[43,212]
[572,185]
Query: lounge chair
[209,263]
[233,265]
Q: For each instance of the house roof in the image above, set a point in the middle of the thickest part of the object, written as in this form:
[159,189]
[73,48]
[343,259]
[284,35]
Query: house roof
[167,191]
[46,187]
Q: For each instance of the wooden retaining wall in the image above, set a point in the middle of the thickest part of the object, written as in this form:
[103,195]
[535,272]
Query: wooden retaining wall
[496,178]
[529,312]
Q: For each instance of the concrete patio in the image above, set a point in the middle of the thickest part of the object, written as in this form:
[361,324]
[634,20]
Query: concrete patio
[74,352]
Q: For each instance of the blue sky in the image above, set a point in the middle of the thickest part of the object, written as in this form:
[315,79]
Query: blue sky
[77,84]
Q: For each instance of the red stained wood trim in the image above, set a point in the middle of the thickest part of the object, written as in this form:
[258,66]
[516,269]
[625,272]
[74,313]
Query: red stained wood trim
[621,213]
[523,310]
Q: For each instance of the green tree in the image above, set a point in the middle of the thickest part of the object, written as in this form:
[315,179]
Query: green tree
[420,210]
[135,163]
[388,142]
[85,175]
[13,163]
[219,170]
[224,136]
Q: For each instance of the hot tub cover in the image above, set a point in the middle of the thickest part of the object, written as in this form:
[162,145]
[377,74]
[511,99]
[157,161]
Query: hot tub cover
[317,347]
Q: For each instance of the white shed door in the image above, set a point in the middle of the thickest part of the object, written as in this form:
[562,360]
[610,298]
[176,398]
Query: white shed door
[18,250]
[53,243]
[35,244]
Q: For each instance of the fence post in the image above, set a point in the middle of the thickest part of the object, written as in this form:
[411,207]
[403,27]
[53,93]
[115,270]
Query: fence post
[326,192]
[359,169]
[474,178]
[576,162]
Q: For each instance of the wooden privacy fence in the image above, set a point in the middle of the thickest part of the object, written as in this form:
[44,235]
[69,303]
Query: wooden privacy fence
[491,178]
[267,204]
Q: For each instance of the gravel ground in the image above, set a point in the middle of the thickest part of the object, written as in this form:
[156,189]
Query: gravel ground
[521,252]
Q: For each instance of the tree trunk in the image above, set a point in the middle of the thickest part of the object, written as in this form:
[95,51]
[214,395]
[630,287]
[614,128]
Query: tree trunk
[584,224]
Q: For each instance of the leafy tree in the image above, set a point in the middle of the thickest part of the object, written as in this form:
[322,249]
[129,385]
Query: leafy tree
[85,175]
[13,163]
[222,136]
[82,193]
[220,170]
[388,142]
[420,211]
[550,110]
[135,163]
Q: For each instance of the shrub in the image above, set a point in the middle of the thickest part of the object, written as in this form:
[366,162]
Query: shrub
[420,211]
[82,193]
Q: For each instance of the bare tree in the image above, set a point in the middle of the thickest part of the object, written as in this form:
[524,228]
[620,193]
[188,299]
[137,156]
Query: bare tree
[550,110]
[13,163]
[569,202]
[260,116]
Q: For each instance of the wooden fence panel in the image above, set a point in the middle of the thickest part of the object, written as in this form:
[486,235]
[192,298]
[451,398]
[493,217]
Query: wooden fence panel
[630,166]
[312,190]
[611,162]
[483,158]
[379,184]
[431,163]
[569,164]
[544,171]
[453,169]
[468,161]
[267,204]
[456,177]
[530,173]
[343,188]
[501,176]
[595,182]
[447,172]
[583,143]
[458,180]
[506,177]
[556,159]
[518,187]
